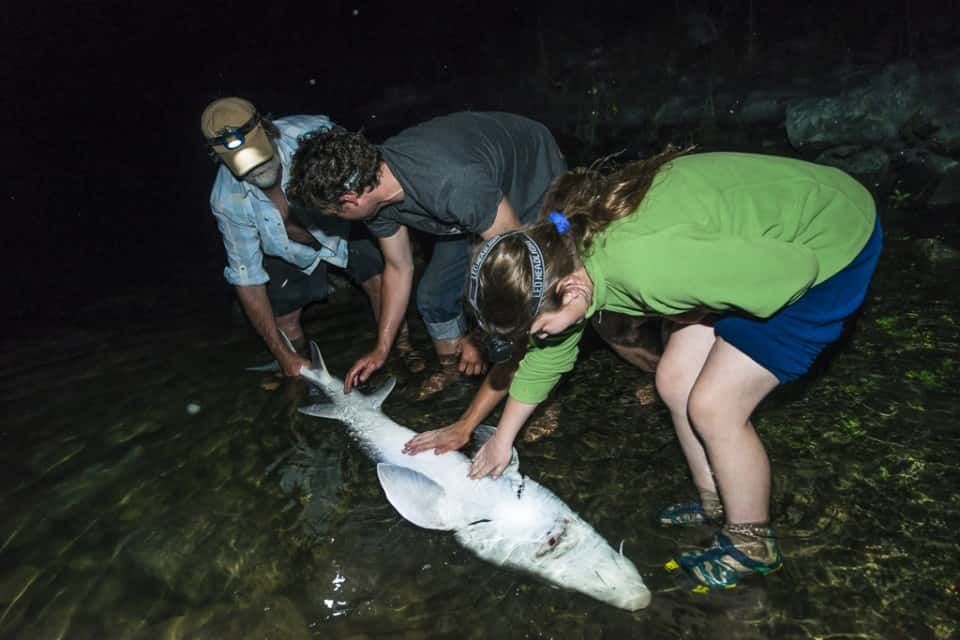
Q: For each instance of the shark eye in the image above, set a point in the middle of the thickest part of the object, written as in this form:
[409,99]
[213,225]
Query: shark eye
[552,541]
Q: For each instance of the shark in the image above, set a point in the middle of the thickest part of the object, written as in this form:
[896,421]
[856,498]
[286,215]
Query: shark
[512,521]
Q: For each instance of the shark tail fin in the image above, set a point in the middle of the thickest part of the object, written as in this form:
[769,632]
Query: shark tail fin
[377,398]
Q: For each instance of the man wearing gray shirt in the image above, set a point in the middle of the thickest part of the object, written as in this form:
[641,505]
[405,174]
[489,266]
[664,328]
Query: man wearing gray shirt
[455,177]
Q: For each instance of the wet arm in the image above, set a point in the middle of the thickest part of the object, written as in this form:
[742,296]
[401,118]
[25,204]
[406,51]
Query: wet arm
[256,305]
[397,285]
[395,294]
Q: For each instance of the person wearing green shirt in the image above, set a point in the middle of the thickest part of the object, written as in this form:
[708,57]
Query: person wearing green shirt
[755,262]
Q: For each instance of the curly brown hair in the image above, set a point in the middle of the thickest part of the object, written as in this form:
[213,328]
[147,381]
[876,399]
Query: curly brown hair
[591,198]
[329,163]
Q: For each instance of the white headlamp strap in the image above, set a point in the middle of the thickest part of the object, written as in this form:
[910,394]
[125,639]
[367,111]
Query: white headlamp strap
[536,270]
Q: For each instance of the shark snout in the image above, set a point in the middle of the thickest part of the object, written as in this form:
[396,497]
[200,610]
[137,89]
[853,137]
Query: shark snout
[638,598]
[619,583]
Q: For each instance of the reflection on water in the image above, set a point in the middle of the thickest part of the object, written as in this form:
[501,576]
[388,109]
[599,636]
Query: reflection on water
[129,513]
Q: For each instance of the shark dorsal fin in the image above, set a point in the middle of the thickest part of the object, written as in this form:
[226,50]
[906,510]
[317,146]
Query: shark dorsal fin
[377,398]
[415,496]
[316,358]
[483,433]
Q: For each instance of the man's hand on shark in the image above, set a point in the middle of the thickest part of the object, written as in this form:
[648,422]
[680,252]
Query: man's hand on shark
[363,369]
[449,438]
[492,458]
[291,364]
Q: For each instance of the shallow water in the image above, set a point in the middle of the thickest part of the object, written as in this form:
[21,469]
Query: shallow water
[153,489]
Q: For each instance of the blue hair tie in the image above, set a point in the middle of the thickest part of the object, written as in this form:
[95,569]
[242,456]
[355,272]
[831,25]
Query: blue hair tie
[559,221]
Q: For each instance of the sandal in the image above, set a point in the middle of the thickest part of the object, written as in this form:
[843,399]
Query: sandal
[412,358]
[723,565]
[687,514]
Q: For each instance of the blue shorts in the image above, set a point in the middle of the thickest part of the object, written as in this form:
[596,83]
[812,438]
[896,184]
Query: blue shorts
[788,342]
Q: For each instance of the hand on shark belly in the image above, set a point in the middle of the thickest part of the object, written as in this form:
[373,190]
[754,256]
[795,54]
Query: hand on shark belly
[449,438]
[492,458]
[363,368]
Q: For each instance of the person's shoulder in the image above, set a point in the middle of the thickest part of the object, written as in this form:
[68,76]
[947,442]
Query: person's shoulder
[228,193]
[224,184]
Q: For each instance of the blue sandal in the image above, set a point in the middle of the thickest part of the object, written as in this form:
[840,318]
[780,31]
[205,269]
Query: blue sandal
[717,567]
[684,514]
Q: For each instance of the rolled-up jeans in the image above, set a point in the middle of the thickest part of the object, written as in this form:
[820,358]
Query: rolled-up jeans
[440,291]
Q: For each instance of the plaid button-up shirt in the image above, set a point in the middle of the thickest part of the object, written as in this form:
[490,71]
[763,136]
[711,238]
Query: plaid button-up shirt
[251,225]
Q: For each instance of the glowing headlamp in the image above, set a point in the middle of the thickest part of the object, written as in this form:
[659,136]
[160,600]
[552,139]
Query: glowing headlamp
[234,137]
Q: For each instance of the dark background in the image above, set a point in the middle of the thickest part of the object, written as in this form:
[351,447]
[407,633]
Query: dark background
[105,177]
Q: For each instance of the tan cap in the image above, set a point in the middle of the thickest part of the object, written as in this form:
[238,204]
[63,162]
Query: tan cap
[234,121]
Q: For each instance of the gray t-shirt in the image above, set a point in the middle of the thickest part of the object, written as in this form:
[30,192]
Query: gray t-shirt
[455,169]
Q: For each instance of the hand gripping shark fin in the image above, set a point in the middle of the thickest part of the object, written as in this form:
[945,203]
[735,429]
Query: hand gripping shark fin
[273,366]
[377,397]
[415,496]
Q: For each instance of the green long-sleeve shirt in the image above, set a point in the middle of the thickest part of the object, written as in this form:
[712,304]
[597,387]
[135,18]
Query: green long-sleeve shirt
[720,232]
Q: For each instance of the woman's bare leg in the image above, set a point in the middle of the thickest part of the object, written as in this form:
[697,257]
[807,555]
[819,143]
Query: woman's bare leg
[725,394]
[683,358]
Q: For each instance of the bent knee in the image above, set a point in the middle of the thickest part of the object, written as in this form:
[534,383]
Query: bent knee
[712,414]
[673,385]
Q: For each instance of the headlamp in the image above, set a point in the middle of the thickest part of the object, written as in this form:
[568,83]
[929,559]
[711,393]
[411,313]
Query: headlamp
[499,349]
[234,137]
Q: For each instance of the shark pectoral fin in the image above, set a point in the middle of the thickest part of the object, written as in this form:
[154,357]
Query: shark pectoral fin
[415,496]
[483,433]
[377,398]
[325,410]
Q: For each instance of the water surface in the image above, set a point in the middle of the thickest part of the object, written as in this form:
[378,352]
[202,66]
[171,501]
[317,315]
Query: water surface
[153,489]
